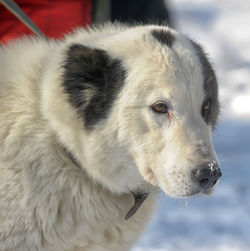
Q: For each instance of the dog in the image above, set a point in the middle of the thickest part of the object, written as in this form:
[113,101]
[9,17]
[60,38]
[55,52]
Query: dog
[92,126]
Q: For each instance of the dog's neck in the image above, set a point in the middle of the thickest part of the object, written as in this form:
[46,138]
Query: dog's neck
[139,196]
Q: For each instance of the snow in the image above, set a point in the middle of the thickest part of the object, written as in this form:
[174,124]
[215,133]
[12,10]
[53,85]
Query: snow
[220,222]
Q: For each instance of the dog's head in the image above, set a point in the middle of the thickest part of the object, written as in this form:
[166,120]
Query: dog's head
[145,103]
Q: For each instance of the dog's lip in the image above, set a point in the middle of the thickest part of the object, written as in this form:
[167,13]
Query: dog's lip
[188,195]
[194,193]
[208,191]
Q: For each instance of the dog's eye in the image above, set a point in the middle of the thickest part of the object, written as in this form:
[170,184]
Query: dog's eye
[206,108]
[160,107]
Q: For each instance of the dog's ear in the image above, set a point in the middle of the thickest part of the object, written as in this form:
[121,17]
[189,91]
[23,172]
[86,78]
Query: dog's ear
[92,80]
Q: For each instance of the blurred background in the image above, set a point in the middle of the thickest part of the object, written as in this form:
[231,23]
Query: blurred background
[220,222]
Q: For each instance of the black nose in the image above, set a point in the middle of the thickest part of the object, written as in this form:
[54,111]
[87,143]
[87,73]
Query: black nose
[206,174]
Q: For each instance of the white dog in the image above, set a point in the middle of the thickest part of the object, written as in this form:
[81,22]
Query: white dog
[92,125]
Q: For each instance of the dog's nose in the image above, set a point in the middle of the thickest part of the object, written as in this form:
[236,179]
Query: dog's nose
[206,174]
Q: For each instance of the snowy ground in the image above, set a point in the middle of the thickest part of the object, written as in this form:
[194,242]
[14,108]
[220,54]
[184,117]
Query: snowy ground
[220,222]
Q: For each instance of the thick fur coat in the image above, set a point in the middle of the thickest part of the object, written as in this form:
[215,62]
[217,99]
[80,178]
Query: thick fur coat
[87,120]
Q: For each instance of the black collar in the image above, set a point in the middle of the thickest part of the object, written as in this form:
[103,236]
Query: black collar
[139,198]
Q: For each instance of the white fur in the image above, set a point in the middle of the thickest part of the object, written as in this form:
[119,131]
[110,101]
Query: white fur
[46,201]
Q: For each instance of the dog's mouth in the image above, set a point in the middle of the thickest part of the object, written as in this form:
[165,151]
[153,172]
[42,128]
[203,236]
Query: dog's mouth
[197,192]
[193,193]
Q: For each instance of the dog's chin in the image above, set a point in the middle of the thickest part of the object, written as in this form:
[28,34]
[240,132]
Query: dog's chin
[193,193]
[198,192]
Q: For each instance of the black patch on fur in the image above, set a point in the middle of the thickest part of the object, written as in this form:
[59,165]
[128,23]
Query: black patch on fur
[210,85]
[164,37]
[92,79]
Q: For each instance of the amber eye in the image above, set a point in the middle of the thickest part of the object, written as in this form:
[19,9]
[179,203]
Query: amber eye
[206,109]
[160,107]
[206,106]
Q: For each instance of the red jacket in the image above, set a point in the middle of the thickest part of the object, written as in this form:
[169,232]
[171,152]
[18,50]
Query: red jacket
[53,17]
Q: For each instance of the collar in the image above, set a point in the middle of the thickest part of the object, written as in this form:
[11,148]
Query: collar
[139,197]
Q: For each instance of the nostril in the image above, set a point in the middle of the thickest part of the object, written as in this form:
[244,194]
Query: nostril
[203,182]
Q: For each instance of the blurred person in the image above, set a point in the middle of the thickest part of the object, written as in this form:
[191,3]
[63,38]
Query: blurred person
[57,17]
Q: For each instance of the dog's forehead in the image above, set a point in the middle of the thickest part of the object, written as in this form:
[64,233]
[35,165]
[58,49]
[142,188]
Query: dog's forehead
[166,57]
[182,62]
[179,58]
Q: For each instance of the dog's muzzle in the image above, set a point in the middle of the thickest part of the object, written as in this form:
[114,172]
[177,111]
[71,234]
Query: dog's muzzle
[206,175]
